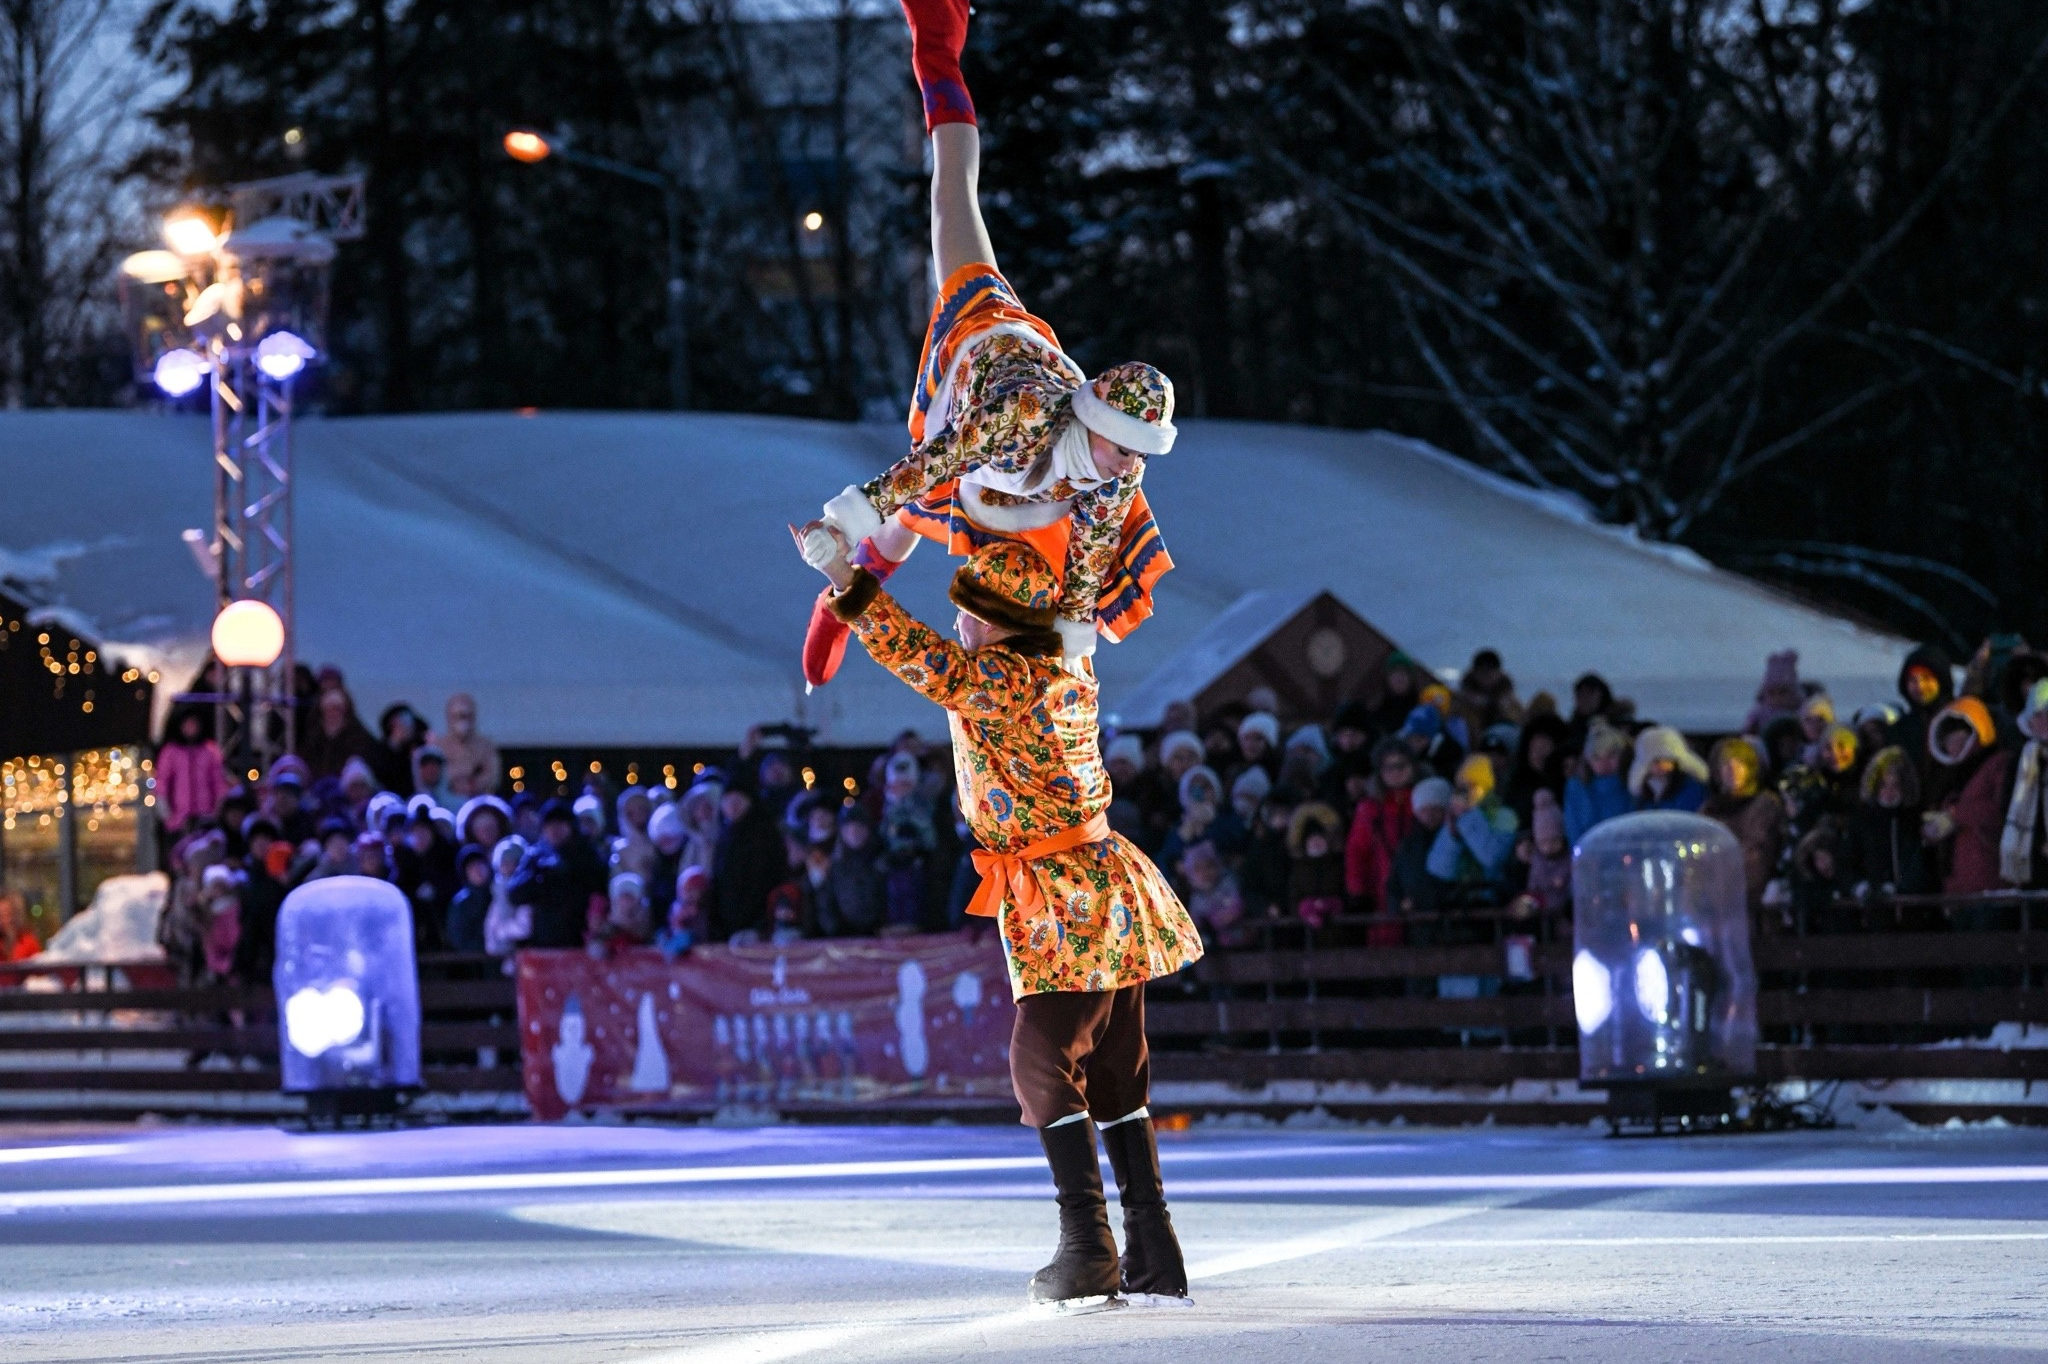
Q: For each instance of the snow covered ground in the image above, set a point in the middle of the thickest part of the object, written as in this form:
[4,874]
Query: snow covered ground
[718,1245]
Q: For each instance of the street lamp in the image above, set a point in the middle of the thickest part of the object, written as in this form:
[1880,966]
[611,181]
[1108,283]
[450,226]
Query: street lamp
[530,148]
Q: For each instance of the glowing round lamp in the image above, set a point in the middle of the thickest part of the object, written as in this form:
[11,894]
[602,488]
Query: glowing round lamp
[248,634]
[282,354]
[180,371]
[523,144]
[189,233]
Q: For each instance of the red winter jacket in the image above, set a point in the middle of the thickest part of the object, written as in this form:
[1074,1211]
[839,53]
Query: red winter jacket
[1979,812]
[1376,830]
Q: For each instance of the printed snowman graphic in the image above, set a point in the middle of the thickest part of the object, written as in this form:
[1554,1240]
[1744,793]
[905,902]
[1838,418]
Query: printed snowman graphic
[650,1062]
[910,983]
[572,1054]
[967,995]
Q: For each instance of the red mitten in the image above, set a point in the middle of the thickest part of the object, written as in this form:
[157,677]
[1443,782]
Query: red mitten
[825,640]
[938,32]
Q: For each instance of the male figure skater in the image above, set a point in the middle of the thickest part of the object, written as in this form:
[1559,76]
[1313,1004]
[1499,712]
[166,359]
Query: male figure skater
[1085,917]
[1008,438]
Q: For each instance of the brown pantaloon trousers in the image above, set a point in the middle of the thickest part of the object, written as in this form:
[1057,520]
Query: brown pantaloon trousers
[1075,1052]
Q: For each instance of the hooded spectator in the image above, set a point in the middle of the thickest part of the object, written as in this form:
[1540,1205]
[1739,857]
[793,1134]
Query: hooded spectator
[1885,851]
[506,926]
[383,811]
[373,857]
[1179,752]
[1438,696]
[191,779]
[471,908]
[589,812]
[857,904]
[633,850]
[557,879]
[1379,824]
[1204,816]
[336,735]
[1538,764]
[684,928]
[474,768]
[1400,692]
[400,730]
[430,776]
[1123,758]
[750,862]
[1215,902]
[337,850]
[266,876]
[426,870]
[1473,847]
[1666,773]
[702,822]
[1315,882]
[1874,724]
[483,820]
[1968,817]
[1263,873]
[2022,844]
[221,919]
[1247,794]
[1780,693]
[1592,703]
[282,800]
[358,788]
[1751,811]
[1220,748]
[1549,883]
[1599,792]
[1926,685]
[1486,694]
[1411,888]
[1305,758]
[1816,715]
[1423,732]
[1838,758]
[627,922]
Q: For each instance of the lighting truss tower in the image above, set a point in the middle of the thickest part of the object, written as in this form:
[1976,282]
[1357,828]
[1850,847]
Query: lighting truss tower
[252,532]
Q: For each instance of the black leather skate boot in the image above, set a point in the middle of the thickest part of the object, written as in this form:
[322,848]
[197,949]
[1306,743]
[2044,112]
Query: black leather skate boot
[1083,1275]
[1153,1273]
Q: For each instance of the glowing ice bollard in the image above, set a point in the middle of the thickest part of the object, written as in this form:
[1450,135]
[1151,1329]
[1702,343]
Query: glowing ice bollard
[348,990]
[1662,984]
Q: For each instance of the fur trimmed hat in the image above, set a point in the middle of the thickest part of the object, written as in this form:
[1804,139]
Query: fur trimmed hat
[1009,585]
[1130,404]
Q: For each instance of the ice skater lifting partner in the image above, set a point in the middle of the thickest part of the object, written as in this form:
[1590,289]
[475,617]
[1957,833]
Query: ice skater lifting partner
[1009,439]
[1085,918]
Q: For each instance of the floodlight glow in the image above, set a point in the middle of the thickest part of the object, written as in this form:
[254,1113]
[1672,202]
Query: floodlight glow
[154,267]
[189,233]
[282,354]
[813,221]
[248,634]
[1592,992]
[1653,986]
[523,144]
[317,1021]
[180,371]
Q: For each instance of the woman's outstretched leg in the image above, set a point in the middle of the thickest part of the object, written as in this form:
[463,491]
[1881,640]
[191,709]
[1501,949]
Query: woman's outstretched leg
[938,33]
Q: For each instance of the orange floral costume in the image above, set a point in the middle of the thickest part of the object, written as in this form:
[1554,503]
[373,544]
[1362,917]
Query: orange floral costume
[1094,915]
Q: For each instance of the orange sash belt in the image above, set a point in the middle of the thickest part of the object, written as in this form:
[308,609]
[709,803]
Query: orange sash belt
[1007,875]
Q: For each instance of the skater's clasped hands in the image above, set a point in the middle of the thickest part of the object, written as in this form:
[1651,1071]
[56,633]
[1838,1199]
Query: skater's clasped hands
[824,548]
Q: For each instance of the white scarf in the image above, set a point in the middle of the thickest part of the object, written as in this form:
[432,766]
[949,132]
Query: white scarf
[2016,844]
[1070,457]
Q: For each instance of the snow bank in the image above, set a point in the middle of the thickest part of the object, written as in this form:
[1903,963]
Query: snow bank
[119,924]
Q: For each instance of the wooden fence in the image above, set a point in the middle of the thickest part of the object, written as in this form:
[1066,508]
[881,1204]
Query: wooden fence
[1483,1007]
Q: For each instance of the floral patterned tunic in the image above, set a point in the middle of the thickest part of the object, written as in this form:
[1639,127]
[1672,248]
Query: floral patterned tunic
[1014,393]
[1029,766]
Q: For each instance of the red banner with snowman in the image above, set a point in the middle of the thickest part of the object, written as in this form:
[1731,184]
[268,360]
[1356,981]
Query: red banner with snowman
[824,1023]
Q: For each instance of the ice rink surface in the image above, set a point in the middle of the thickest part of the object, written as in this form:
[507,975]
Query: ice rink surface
[843,1245]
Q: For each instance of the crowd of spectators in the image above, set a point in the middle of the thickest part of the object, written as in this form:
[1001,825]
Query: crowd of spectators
[1399,815]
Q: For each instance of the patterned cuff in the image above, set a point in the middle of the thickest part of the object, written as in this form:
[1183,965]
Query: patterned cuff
[850,605]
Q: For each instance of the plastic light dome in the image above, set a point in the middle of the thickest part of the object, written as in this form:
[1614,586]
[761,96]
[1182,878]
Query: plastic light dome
[1592,992]
[178,372]
[248,634]
[282,354]
[350,987]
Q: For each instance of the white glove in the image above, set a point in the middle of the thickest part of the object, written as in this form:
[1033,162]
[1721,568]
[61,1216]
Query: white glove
[853,516]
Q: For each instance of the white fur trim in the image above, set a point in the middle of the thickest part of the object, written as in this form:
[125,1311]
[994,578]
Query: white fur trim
[1077,637]
[1115,424]
[1015,517]
[1132,1116]
[855,516]
[1062,1122]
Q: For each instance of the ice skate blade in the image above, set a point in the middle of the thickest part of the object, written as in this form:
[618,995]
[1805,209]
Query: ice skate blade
[1152,1301]
[1078,1307]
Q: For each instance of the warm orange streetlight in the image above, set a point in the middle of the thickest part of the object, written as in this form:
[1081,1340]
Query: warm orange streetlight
[523,144]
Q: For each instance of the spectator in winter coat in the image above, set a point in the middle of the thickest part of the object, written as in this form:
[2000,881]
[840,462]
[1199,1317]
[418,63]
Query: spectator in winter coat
[1538,764]
[1381,821]
[400,730]
[1752,813]
[555,880]
[750,862]
[1873,725]
[1262,875]
[858,900]
[266,877]
[337,850]
[17,942]
[1315,882]
[506,926]
[1666,774]
[190,777]
[1423,732]
[282,800]
[685,926]
[1885,852]
[1123,758]
[1816,715]
[1205,817]
[1838,759]
[1969,814]
[1247,795]
[627,922]
[1549,883]
[1400,692]
[1473,847]
[1598,793]
[336,735]
[1926,685]
[1592,704]
[1158,794]
[1486,694]
[702,823]
[2023,844]
[1438,697]
[1411,888]
[1214,901]
[483,820]
[426,871]
[430,776]
[1784,745]
[1780,693]
[373,857]
[633,850]
[474,768]
[1304,759]
[471,907]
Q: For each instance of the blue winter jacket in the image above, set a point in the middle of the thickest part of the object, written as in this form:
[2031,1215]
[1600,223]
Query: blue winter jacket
[1588,802]
[1477,846]
[1689,794]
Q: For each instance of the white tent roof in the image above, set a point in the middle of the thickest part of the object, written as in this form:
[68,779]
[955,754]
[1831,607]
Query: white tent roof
[625,579]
